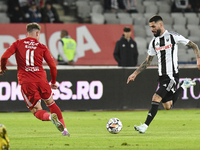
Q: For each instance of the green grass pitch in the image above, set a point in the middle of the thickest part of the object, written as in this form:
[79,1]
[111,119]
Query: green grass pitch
[170,130]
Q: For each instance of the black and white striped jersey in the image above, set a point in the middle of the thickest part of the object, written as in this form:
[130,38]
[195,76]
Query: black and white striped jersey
[166,49]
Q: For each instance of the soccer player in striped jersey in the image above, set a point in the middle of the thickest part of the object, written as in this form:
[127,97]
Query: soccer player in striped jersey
[29,53]
[164,45]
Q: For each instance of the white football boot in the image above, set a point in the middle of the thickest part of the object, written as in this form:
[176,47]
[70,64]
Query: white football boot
[188,83]
[141,129]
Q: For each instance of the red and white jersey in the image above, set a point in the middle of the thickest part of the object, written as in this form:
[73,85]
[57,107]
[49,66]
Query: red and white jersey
[29,54]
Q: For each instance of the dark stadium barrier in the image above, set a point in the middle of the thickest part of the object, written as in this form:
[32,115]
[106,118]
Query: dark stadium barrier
[100,89]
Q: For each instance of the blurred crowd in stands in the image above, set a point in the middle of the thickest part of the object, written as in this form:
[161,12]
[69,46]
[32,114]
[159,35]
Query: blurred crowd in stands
[27,11]
[42,11]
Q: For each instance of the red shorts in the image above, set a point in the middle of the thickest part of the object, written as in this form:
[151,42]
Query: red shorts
[32,92]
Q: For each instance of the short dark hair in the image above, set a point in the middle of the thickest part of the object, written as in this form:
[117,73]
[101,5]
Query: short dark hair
[65,32]
[155,18]
[127,29]
[31,26]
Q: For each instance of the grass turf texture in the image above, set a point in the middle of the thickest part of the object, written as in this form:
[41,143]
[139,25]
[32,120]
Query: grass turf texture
[174,129]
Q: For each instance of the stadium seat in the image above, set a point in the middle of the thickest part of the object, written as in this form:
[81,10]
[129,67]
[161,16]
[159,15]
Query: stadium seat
[167,19]
[148,39]
[192,18]
[3,7]
[140,21]
[83,8]
[135,15]
[180,20]
[141,44]
[192,26]
[163,2]
[194,39]
[82,2]
[92,3]
[97,18]
[126,20]
[168,27]
[68,2]
[151,9]
[97,8]
[148,15]
[122,14]
[194,32]
[109,16]
[149,3]
[4,18]
[139,31]
[176,14]
[148,31]
[112,21]
[140,8]
[181,30]
[140,2]
[164,8]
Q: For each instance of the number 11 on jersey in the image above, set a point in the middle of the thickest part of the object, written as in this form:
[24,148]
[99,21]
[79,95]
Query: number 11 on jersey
[29,58]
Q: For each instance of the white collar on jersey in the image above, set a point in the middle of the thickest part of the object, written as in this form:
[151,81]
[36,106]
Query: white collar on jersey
[163,33]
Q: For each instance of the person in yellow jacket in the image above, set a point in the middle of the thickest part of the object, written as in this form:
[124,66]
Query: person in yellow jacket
[4,140]
[66,49]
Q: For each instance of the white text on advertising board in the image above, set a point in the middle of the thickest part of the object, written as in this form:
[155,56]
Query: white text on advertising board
[84,91]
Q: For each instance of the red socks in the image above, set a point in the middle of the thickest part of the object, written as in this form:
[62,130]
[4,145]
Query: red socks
[42,115]
[55,109]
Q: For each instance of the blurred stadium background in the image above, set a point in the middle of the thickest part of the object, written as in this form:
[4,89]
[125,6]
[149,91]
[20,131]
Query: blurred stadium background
[102,84]
[94,12]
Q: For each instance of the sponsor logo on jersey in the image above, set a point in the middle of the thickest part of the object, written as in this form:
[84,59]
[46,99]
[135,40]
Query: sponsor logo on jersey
[32,69]
[163,48]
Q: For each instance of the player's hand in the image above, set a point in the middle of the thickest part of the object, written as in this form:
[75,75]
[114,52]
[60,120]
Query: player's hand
[131,77]
[3,71]
[54,86]
[198,63]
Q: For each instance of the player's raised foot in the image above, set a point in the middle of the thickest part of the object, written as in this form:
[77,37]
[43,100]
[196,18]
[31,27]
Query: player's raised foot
[188,83]
[58,124]
[65,133]
[141,129]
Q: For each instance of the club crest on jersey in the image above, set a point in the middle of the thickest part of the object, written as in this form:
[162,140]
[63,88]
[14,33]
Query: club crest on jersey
[163,48]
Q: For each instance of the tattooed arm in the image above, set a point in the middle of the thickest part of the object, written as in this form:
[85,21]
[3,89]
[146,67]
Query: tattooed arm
[196,51]
[142,67]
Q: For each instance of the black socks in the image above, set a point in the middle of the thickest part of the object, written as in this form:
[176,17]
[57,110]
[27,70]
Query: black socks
[152,112]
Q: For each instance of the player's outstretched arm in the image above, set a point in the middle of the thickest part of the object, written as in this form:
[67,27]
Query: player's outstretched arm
[142,67]
[196,51]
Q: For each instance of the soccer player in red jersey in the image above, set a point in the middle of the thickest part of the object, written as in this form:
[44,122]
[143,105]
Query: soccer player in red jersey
[29,53]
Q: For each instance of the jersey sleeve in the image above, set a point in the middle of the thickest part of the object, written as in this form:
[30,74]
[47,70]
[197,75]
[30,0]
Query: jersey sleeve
[180,39]
[9,52]
[53,70]
[151,49]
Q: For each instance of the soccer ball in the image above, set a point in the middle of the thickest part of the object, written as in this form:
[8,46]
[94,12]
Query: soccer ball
[114,125]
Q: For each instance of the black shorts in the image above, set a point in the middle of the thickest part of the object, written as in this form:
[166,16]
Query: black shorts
[167,87]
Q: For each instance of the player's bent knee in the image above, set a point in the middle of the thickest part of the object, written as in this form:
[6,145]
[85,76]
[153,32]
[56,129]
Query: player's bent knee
[167,108]
[156,98]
